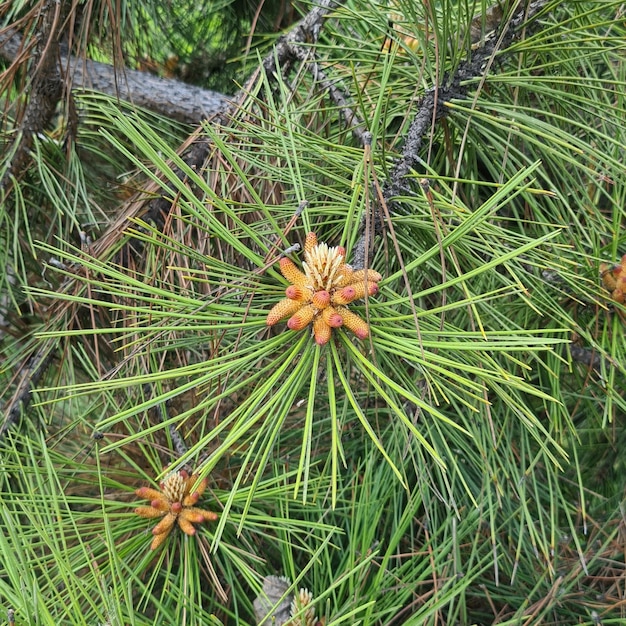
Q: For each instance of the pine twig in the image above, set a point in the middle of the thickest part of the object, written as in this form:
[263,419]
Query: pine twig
[31,374]
[454,85]
[297,46]
[305,33]
[339,98]
[45,93]
[180,447]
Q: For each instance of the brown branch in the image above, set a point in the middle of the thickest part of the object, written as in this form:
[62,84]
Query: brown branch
[165,96]
[45,92]
[169,97]
[593,358]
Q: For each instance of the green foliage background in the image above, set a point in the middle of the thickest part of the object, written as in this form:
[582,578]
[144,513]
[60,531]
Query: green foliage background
[457,467]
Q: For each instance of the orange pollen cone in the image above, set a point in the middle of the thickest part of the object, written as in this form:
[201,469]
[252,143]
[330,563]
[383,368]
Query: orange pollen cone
[186,526]
[360,276]
[332,318]
[614,279]
[354,323]
[354,291]
[345,276]
[321,331]
[282,309]
[158,540]
[292,273]
[345,295]
[191,499]
[293,292]
[302,318]
[310,242]
[321,299]
[165,525]
[148,493]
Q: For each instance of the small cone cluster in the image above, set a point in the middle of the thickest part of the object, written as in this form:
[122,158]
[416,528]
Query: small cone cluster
[275,606]
[614,279]
[320,294]
[175,503]
[302,607]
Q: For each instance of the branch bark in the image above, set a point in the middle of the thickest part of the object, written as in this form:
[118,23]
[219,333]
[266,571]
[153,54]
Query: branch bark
[30,375]
[45,92]
[306,31]
[453,86]
[168,97]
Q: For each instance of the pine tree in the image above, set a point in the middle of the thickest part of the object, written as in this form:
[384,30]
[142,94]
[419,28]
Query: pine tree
[429,198]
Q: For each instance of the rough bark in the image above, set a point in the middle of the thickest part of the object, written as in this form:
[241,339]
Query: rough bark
[165,96]
[306,31]
[45,92]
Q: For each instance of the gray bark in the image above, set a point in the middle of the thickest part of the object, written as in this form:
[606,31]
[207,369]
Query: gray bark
[168,97]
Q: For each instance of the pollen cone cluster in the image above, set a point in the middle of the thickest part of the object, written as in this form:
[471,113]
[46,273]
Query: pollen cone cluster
[275,606]
[302,607]
[320,294]
[614,279]
[175,503]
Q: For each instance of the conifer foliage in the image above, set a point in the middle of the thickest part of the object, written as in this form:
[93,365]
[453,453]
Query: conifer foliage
[350,350]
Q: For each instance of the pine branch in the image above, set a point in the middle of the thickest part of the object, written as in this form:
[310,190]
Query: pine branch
[585,356]
[45,92]
[294,44]
[298,46]
[454,85]
[337,95]
[194,152]
[31,374]
[165,96]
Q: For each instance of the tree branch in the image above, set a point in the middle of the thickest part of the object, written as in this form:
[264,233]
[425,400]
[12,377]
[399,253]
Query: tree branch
[165,96]
[454,85]
[339,98]
[30,375]
[194,152]
[45,92]
[306,31]
[297,46]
